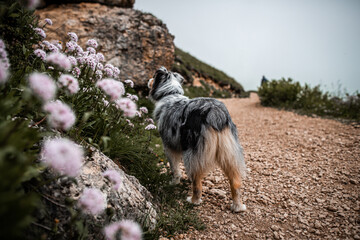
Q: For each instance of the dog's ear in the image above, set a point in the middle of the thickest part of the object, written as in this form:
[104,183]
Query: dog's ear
[178,77]
[161,73]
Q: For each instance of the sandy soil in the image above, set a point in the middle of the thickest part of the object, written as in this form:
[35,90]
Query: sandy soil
[303,179]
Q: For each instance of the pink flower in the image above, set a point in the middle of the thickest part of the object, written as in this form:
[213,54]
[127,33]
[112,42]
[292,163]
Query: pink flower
[48,21]
[73,36]
[76,71]
[92,201]
[127,106]
[116,71]
[132,97]
[60,60]
[3,73]
[61,116]
[149,120]
[144,110]
[53,48]
[108,72]
[111,87]
[100,57]
[99,66]
[129,82]
[43,86]
[98,74]
[40,32]
[91,50]
[114,177]
[150,127]
[108,65]
[92,43]
[63,155]
[71,46]
[129,229]
[72,60]
[40,53]
[70,82]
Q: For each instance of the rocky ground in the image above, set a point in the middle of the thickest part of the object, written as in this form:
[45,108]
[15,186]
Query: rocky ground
[303,179]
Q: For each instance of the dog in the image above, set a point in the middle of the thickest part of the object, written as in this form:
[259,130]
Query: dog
[198,131]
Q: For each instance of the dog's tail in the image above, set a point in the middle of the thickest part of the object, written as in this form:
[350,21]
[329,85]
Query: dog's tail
[230,155]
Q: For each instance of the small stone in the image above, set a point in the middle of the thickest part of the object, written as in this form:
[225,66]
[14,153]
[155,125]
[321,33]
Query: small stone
[331,208]
[218,192]
[275,228]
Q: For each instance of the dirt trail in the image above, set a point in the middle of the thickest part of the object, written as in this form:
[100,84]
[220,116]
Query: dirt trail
[303,179]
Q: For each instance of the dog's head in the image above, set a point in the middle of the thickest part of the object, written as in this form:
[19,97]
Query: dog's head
[165,83]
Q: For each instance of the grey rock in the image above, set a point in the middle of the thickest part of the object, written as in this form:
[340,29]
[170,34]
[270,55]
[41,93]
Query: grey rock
[136,42]
[130,201]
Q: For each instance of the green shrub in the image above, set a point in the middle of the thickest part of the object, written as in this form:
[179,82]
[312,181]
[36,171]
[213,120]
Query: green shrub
[291,95]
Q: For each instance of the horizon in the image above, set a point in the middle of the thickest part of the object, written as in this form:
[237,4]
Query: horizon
[311,42]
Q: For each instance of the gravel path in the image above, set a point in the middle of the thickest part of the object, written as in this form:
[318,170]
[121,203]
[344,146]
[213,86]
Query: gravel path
[303,180]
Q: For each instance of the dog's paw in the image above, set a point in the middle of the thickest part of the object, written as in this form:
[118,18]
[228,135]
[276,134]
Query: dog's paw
[235,207]
[198,202]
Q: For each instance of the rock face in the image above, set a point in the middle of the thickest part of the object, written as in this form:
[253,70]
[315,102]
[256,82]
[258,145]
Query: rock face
[138,43]
[131,201]
[117,3]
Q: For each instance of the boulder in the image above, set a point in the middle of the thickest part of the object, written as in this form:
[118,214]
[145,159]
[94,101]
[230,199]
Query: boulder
[130,201]
[136,42]
[117,3]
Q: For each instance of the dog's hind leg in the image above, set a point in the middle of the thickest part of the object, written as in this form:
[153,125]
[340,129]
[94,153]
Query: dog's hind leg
[174,159]
[235,185]
[196,189]
[228,159]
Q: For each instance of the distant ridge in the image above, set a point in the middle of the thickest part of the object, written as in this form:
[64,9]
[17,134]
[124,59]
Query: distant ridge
[193,69]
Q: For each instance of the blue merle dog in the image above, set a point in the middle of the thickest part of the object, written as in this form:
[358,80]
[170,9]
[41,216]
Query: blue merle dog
[199,131]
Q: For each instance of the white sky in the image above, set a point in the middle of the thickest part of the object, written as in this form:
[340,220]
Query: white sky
[311,41]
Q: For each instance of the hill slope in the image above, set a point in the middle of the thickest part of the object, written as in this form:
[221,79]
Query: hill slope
[201,75]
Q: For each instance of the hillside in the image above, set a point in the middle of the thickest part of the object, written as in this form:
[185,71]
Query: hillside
[203,79]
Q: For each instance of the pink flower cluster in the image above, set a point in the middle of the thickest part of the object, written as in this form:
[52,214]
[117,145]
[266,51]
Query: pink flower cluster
[150,127]
[40,53]
[149,120]
[92,43]
[127,229]
[48,21]
[92,201]
[112,88]
[4,63]
[69,82]
[127,106]
[73,36]
[129,82]
[60,60]
[132,97]
[60,115]
[40,32]
[63,155]
[43,86]
[114,177]
[143,110]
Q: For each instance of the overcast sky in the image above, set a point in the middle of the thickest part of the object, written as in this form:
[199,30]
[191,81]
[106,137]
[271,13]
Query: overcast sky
[311,41]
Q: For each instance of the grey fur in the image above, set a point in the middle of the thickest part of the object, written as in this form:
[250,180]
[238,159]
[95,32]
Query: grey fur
[183,123]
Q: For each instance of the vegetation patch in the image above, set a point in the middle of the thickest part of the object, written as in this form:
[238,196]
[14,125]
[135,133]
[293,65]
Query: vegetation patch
[62,94]
[307,100]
